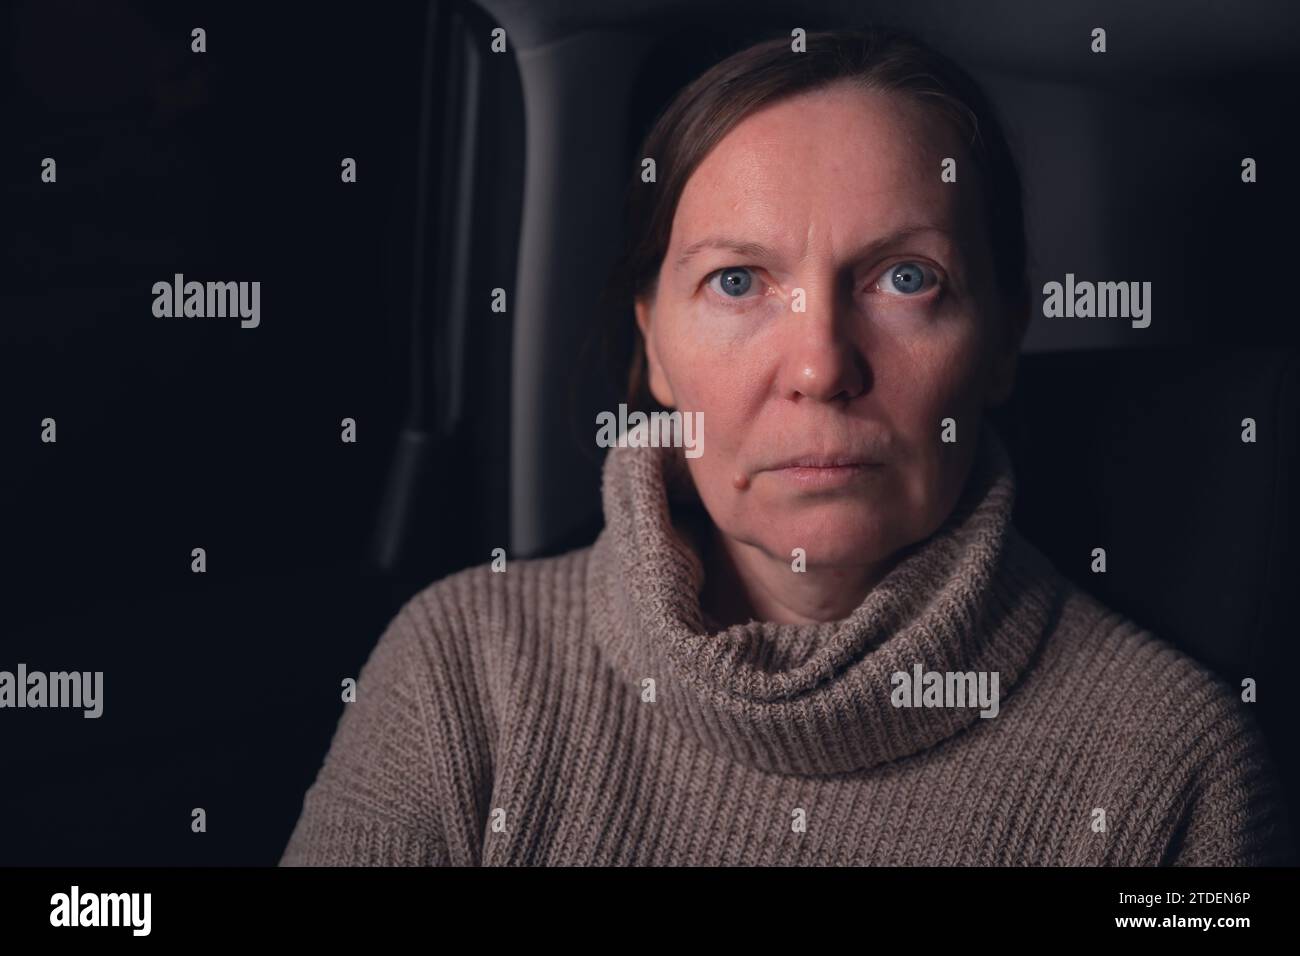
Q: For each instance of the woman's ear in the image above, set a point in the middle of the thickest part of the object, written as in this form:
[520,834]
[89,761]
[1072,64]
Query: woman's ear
[1003,378]
[655,377]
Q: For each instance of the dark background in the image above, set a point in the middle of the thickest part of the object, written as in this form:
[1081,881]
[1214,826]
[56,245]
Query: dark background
[222,689]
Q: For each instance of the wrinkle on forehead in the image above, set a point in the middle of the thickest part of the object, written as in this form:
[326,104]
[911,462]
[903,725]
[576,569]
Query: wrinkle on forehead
[819,168]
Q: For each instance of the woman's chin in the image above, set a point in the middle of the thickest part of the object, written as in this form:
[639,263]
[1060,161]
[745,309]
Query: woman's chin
[845,533]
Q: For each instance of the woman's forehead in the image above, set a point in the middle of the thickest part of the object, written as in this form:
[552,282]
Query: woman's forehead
[840,157]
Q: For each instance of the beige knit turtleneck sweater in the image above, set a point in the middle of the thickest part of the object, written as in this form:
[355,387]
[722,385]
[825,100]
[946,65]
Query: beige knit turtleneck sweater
[507,717]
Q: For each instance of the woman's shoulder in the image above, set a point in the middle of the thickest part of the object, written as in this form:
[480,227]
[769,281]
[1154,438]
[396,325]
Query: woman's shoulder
[1145,697]
[1133,688]
[1155,721]
[478,603]
[1092,643]
[1132,661]
[462,640]
[1161,734]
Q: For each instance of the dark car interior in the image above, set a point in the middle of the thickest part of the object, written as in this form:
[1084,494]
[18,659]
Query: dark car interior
[486,177]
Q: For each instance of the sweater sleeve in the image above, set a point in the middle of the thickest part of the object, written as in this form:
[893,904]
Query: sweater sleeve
[1236,815]
[383,796]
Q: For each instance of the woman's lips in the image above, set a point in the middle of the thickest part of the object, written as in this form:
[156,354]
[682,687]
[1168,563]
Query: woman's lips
[824,461]
[826,476]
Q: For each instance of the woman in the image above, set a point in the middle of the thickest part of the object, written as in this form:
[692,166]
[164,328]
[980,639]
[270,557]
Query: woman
[820,640]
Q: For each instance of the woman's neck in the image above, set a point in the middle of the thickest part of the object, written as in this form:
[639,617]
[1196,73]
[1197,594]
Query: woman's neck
[743,583]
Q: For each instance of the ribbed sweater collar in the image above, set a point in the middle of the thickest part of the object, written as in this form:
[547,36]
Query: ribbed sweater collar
[815,698]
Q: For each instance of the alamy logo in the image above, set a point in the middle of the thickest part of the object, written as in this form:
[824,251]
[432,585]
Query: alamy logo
[947,689]
[208,300]
[102,909]
[1102,300]
[59,689]
[656,430]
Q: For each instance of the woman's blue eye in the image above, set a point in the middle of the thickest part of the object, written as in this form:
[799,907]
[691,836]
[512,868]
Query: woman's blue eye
[906,278]
[733,282]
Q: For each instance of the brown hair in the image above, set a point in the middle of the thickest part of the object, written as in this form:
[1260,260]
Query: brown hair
[878,59]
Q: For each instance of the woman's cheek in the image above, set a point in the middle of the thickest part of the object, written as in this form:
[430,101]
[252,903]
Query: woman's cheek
[714,367]
[946,373]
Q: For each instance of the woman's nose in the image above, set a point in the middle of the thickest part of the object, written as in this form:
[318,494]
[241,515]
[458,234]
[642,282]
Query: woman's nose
[822,359]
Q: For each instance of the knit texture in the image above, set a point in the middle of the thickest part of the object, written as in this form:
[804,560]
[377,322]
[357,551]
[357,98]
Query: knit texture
[509,718]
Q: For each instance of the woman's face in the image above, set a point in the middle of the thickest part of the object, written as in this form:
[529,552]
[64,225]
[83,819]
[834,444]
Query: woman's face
[832,202]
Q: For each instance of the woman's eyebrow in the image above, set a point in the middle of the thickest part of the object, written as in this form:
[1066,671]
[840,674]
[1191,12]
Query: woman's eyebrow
[756,250]
[751,250]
